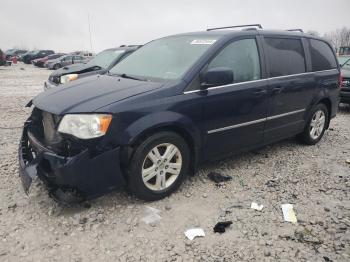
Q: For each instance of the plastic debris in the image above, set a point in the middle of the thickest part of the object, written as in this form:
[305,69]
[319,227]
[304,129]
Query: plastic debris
[218,178]
[256,206]
[221,226]
[288,213]
[192,233]
[151,215]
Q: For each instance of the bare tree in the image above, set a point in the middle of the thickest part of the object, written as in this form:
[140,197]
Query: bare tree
[339,37]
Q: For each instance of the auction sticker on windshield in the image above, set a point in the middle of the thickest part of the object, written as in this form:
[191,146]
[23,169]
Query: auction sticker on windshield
[203,42]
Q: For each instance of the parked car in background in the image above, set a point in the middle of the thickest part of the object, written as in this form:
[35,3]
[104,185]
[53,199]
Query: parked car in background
[344,50]
[41,61]
[65,61]
[20,57]
[175,103]
[27,59]
[14,52]
[2,58]
[344,62]
[100,64]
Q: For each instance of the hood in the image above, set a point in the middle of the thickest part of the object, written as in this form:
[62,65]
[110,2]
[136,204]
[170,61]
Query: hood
[76,68]
[90,93]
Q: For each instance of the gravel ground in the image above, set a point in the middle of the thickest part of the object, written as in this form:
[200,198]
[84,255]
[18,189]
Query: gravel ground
[315,179]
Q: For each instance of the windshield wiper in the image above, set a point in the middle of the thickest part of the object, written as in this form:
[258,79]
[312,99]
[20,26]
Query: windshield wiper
[128,76]
[345,63]
[132,77]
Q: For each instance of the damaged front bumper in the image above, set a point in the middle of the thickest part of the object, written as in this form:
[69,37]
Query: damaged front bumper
[69,179]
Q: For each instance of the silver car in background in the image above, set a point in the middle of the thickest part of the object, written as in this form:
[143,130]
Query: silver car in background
[65,60]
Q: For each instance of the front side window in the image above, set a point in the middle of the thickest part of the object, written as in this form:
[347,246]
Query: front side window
[286,56]
[242,57]
[166,58]
[322,57]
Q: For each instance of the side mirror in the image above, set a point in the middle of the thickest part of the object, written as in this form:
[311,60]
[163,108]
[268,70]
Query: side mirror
[217,76]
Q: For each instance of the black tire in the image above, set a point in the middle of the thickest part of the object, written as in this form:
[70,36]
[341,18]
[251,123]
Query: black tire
[136,185]
[57,66]
[305,136]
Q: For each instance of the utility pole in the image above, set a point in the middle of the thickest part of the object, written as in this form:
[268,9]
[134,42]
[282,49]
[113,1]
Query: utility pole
[90,32]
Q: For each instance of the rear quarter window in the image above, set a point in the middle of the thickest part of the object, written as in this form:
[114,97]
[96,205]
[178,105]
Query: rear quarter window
[285,55]
[322,56]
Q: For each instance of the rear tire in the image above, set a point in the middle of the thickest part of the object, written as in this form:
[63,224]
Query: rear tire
[57,66]
[315,126]
[158,166]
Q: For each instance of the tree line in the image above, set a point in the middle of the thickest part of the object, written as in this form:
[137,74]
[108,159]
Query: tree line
[339,37]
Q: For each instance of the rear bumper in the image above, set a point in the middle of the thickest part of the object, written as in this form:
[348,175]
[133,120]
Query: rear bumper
[68,179]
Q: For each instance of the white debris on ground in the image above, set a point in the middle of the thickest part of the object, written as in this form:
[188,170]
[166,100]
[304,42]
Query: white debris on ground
[151,216]
[192,233]
[110,229]
[256,206]
[288,213]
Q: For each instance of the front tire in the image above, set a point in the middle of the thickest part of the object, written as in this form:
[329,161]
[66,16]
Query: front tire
[316,125]
[158,166]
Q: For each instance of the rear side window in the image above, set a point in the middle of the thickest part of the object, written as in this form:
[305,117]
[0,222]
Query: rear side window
[242,57]
[286,56]
[322,56]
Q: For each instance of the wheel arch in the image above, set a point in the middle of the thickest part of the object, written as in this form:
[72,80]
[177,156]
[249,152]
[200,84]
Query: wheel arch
[328,103]
[154,123]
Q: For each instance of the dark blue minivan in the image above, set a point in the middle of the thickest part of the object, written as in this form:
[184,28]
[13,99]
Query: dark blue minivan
[174,103]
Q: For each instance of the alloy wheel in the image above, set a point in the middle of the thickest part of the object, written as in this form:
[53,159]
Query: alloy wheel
[317,124]
[161,167]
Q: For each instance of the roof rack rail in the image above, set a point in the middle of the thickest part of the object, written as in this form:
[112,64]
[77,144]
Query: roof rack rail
[235,26]
[296,30]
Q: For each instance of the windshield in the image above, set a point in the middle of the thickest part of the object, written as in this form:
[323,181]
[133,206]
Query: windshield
[105,58]
[344,62]
[166,58]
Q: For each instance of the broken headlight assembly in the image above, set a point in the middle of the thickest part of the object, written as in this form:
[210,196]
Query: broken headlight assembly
[68,78]
[85,126]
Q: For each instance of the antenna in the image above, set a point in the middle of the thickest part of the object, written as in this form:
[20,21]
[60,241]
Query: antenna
[90,32]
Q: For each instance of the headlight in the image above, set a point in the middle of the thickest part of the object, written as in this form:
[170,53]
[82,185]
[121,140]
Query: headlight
[68,78]
[85,126]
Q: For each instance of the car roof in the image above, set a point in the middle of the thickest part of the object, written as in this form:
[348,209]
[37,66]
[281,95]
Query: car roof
[249,31]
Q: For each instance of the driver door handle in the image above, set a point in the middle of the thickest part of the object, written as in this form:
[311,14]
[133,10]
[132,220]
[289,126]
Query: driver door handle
[259,92]
[277,89]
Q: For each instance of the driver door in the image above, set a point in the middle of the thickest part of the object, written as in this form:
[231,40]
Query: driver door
[235,114]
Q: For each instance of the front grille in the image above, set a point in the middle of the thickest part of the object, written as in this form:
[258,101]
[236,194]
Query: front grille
[346,82]
[44,127]
[50,128]
[55,79]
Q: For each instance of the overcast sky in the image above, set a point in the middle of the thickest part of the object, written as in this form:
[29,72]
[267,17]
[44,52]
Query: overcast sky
[62,25]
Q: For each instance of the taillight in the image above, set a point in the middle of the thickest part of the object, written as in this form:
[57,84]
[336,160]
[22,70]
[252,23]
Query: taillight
[340,80]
